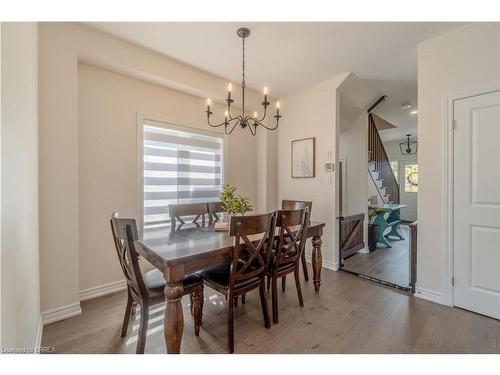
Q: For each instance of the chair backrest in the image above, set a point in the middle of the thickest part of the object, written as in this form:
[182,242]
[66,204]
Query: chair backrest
[176,211]
[124,234]
[295,205]
[251,255]
[214,208]
[292,234]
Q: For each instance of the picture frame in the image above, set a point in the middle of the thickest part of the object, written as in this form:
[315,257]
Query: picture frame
[303,158]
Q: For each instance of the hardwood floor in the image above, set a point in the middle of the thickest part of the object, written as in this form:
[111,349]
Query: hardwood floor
[349,315]
[389,264]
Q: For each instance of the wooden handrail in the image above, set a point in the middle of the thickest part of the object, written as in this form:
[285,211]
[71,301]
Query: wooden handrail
[377,154]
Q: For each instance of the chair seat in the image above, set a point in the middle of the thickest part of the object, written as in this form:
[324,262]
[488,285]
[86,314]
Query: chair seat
[218,278]
[281,267]
[155,282]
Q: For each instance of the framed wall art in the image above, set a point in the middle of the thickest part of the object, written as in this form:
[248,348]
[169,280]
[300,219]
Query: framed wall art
[304,158]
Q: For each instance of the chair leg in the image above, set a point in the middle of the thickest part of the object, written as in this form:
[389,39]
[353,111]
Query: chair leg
[191,304]
[283,283]
[143,330]
[126,317]
[197,298]
[263,304]
[243,298]
[268,282]
[304,265]
[275,298]
[230,324]
[297,284]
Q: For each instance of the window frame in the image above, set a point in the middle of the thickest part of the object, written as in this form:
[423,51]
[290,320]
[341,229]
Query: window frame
[168,123]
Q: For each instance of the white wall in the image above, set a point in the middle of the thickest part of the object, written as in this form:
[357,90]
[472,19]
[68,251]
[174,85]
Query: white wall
[62,193]
[108,173]
[353,148]
[410,199]
[19,187]
[311,112]
[463,60]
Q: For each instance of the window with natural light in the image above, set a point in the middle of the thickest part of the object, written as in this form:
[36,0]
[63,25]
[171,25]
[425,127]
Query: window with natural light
[179,167]
[411,178]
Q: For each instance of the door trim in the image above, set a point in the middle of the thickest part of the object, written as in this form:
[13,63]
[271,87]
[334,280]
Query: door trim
[448,245]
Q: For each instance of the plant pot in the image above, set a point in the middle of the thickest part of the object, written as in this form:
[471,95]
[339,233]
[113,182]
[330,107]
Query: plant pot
[372,237]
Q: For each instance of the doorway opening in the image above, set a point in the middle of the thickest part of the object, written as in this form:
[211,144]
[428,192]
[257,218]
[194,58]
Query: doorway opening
[388,221]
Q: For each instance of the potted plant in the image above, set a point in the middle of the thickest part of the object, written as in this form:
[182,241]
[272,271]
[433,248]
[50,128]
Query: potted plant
[233,204]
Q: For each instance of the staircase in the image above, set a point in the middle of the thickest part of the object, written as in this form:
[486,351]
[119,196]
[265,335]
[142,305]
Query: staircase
[379,166]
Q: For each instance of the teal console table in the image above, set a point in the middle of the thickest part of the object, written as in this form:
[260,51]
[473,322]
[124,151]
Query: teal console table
[387,215]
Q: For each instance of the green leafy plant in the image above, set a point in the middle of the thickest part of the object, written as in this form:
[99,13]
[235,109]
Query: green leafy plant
[234,204]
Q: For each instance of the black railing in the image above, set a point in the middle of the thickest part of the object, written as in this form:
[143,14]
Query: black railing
[377,154]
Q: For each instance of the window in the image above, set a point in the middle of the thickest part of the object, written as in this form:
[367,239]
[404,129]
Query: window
[411,178]
[395,167]
[179,167]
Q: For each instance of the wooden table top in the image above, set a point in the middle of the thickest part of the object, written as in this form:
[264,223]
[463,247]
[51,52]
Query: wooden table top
[389,206]
[189,242]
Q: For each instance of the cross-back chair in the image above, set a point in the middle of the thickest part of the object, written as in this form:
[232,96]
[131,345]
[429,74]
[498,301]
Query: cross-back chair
[287,204]
[177,211]
[146,289]
[287,251]
[215,208]
[248,265]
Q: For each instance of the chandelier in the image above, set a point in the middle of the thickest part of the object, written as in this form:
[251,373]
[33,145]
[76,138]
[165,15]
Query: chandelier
[408,147]
[244,121]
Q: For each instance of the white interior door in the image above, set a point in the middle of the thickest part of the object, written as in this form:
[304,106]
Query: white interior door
[477,204]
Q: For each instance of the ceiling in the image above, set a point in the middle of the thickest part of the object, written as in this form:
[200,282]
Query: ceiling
[289,56]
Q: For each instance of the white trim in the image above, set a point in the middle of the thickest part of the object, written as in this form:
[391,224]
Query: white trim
[364,250]
[430,295]
[170,124]
[334,266]
[60,313]
[102,290]
[39,334]
[448,183]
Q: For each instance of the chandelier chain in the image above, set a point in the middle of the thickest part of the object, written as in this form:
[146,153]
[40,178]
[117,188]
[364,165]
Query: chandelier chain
[243,70]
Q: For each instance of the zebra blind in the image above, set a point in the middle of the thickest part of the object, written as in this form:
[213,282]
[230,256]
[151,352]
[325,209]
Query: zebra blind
[179,167]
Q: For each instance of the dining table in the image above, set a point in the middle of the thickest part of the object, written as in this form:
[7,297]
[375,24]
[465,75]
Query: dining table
[192,248]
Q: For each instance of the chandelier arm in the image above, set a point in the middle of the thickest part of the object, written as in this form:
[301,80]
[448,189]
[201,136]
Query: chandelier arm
[229,109]
[265,126]
[222,123]
[254,126]
[230,131]
[264,115]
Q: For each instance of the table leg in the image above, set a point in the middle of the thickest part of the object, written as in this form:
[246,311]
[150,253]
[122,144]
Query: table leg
[317,262]
[174,318]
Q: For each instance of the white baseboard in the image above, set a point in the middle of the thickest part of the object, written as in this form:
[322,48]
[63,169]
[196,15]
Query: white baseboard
[102,290]
[334,266]
[430,295]
[39,333]
[60,313]
[364,250]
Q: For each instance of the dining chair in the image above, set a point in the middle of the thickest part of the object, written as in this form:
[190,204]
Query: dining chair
[287,204]
[247,268]
[287,251]
[177,211]
[146,289]
[215,208]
